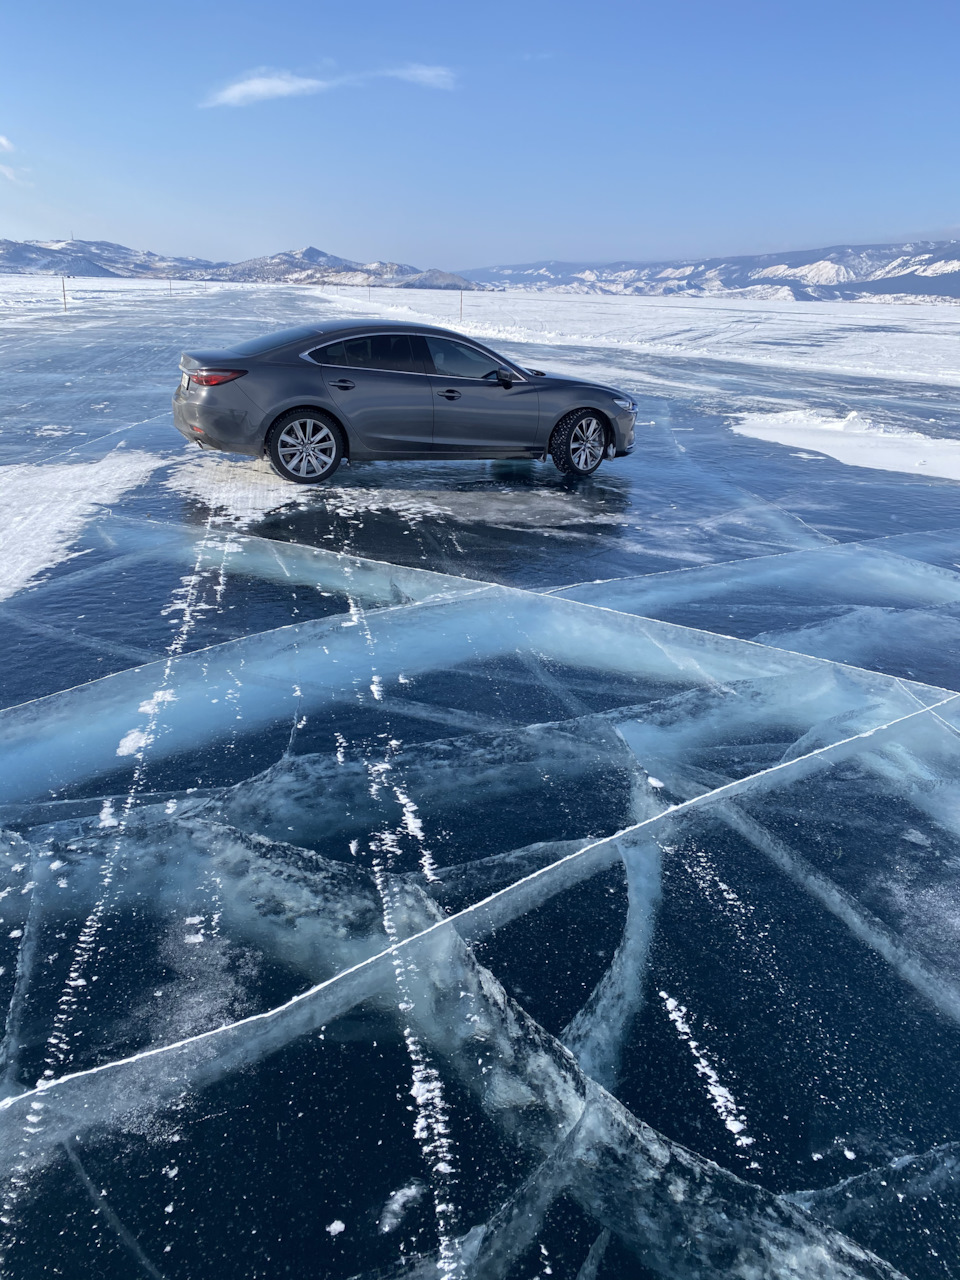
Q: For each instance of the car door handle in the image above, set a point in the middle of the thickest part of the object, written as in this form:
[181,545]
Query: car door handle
[343,384]
[449,394]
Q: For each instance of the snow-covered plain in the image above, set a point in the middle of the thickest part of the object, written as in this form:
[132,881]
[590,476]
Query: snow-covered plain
[893,341]
[459,870]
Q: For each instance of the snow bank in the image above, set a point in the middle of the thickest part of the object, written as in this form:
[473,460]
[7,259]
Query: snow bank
[47,506]
[856,441]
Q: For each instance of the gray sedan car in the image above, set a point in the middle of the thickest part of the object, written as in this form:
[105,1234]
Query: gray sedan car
[364,389]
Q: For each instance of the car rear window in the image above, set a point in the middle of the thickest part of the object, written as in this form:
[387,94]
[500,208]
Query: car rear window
[394,352]
[270,341]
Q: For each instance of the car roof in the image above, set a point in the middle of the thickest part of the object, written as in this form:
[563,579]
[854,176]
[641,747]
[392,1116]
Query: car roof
[329,328]
[307,336]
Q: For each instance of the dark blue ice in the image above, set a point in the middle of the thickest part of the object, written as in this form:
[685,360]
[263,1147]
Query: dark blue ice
[468,871]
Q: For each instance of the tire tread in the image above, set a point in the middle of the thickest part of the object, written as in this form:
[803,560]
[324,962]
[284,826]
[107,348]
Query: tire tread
[560,442]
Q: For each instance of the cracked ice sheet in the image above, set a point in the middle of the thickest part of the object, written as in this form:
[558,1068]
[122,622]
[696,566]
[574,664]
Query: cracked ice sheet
[506,521]
[862,603]
[258,870]
[254,685]
[142,572]
[505,762]
[526,1089]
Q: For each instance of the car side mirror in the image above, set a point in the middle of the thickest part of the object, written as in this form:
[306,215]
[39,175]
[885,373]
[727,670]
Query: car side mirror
[505,377]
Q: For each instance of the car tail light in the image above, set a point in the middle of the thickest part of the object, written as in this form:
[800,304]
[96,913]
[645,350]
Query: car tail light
[213,377]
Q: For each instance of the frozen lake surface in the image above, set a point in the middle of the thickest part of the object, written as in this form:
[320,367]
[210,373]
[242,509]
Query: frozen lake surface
[461,870]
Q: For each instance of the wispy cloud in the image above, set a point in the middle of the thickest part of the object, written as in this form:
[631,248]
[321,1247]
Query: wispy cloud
[11,175]
[429,77]
[264,84]
[6,144]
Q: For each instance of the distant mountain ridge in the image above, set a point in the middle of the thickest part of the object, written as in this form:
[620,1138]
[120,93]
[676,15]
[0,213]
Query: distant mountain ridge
[919,269]
[101,258]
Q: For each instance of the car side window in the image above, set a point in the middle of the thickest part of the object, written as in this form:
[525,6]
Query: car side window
[457,360]
[393,352]
[334,354]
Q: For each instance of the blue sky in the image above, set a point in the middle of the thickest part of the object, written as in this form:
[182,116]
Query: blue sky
[456,135]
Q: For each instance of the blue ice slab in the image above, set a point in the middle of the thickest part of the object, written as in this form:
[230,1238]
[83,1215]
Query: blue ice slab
[206,696]
[934,546]
[843,574]
[860,603]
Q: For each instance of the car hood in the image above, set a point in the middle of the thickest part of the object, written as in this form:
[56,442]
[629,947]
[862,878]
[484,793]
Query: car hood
[565,380]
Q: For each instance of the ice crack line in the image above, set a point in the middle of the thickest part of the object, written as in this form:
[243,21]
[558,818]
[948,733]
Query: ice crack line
[476,921]
[432,1125]
[135,743]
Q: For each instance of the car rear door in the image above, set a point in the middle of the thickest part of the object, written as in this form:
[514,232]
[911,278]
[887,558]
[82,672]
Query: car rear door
[379,384]
[473,413]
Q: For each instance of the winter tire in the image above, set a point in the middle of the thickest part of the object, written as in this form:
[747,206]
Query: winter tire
[578,442]
[305,446]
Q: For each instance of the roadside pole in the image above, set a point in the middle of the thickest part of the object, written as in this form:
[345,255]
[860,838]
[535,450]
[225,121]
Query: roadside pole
[63,286]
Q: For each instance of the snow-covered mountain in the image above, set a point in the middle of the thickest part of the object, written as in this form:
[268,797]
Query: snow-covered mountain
[876,272]
[296,266]
[889,272]
[313,266]
[93,258]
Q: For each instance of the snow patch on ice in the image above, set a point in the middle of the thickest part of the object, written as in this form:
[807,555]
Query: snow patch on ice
[397,1205]
[244,492]
[107,817]
[152,705]
[133,742]
[240,491]
[539,508]
[856,441]
[721,1098]
[46,507]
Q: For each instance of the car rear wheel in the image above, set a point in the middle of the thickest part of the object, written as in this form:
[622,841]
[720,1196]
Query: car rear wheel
[305,446]
[578,443]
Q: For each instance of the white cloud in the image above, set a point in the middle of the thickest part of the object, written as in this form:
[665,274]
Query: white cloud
[262,85]
[12,175]
[429,77]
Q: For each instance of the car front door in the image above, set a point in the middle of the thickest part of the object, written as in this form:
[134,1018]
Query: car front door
[379,384]
[473,412]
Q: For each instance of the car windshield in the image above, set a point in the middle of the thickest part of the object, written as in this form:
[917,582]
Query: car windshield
[270,341]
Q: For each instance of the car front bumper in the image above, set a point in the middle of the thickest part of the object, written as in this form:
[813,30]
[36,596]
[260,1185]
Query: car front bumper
[624,430]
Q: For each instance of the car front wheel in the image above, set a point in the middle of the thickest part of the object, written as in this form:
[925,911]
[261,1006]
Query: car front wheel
[578,443]
[305,446]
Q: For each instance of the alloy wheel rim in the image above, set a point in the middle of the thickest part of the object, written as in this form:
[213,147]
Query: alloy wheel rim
[307,448]
[586,444]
